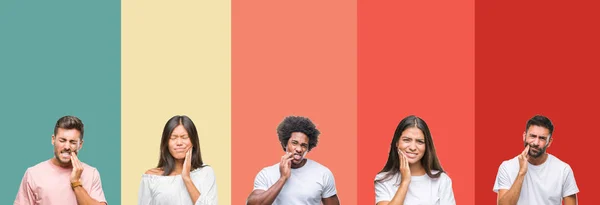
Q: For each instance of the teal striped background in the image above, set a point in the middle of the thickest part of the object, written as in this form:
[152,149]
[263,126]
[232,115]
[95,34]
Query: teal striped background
[59,58]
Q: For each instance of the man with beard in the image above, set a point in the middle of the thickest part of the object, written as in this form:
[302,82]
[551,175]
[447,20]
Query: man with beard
[295,180]
[534,176]
[63,179]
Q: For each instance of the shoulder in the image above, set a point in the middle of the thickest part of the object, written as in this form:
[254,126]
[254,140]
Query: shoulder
[558,164]
[444,178]
[88,167]
[39,166]
[269,171]
[155,171]
[272,168]
[314,165]
[380,176]
[556,161]
[205,170]
[510,163]
[386,178]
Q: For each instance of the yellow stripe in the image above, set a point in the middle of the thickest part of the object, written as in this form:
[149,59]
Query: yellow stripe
[175,60]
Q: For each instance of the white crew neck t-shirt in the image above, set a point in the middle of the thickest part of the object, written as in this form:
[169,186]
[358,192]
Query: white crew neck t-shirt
[306,185]
[422,190]
[544,184]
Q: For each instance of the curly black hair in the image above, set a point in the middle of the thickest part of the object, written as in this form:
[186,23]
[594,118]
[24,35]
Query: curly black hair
[293,124]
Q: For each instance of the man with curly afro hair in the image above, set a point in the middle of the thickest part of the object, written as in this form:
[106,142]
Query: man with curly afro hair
[295,179]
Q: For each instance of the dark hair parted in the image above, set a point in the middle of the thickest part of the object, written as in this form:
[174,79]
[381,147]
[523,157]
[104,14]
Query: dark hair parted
[69,122]
[167,161]
[429,161]
[293,124]
[542,121]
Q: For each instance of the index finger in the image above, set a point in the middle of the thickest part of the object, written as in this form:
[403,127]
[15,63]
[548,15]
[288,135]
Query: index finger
[286,156]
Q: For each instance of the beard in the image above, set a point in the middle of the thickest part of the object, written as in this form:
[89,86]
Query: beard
[533,154]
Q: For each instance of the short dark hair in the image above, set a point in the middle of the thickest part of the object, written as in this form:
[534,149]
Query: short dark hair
[293,124]
[166,160]
[542,121]
[69,122]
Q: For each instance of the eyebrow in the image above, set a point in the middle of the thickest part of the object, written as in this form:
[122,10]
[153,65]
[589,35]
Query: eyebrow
[299,142]
[534,135]
[405,137]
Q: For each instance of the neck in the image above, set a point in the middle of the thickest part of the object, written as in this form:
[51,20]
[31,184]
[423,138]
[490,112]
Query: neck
[538,160]
[296,166]
[417,169]
[57,163]
[178,167]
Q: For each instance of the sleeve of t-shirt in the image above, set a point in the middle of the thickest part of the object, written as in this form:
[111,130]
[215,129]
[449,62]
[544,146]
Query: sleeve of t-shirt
[329,185]
[261,180]
[96,192]
[381,192]
[502,178]
[207,187]
[25,195]
[446,194]
[569,186]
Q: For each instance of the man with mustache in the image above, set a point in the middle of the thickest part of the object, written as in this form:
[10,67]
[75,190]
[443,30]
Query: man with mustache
[295,180]
[63,179]
[534,176]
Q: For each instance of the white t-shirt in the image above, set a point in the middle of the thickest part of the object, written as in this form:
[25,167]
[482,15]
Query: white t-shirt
[306,185]
[422,190]
[166,190]
[544,184]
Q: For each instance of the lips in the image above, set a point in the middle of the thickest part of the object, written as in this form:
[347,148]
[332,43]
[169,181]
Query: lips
[297,156]
[180,149]
[410,155]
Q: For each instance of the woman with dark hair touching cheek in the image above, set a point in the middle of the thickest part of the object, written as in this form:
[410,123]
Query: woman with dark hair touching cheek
[180,177]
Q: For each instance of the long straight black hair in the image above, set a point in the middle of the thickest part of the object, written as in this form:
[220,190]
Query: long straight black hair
[167,161]
[429,161]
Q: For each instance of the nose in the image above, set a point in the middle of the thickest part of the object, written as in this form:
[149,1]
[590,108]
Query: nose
[412,146]
[179,141]
[66,146]
[298,149]
[535,142]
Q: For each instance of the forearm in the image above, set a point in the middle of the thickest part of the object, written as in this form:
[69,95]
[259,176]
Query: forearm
[512,195]
[192,190]
[570,200]
[331,200]
[400,195]
[83,198]
[267,197]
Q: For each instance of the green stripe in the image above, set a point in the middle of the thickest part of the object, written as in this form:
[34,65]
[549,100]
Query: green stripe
[60,58]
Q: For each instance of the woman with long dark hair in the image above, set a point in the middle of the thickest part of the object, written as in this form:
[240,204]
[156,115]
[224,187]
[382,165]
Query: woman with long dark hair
[413,174]
[180,177]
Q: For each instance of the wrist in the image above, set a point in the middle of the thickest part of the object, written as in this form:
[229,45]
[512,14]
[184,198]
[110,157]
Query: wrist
[283,179]
[186,178]
[405,182]
[75,184]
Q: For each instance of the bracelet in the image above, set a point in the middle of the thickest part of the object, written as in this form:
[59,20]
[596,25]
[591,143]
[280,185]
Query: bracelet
[75,184]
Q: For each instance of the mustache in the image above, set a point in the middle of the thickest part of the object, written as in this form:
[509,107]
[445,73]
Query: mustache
[530,145]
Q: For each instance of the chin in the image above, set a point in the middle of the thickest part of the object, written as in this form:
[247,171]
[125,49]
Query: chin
[64,161]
